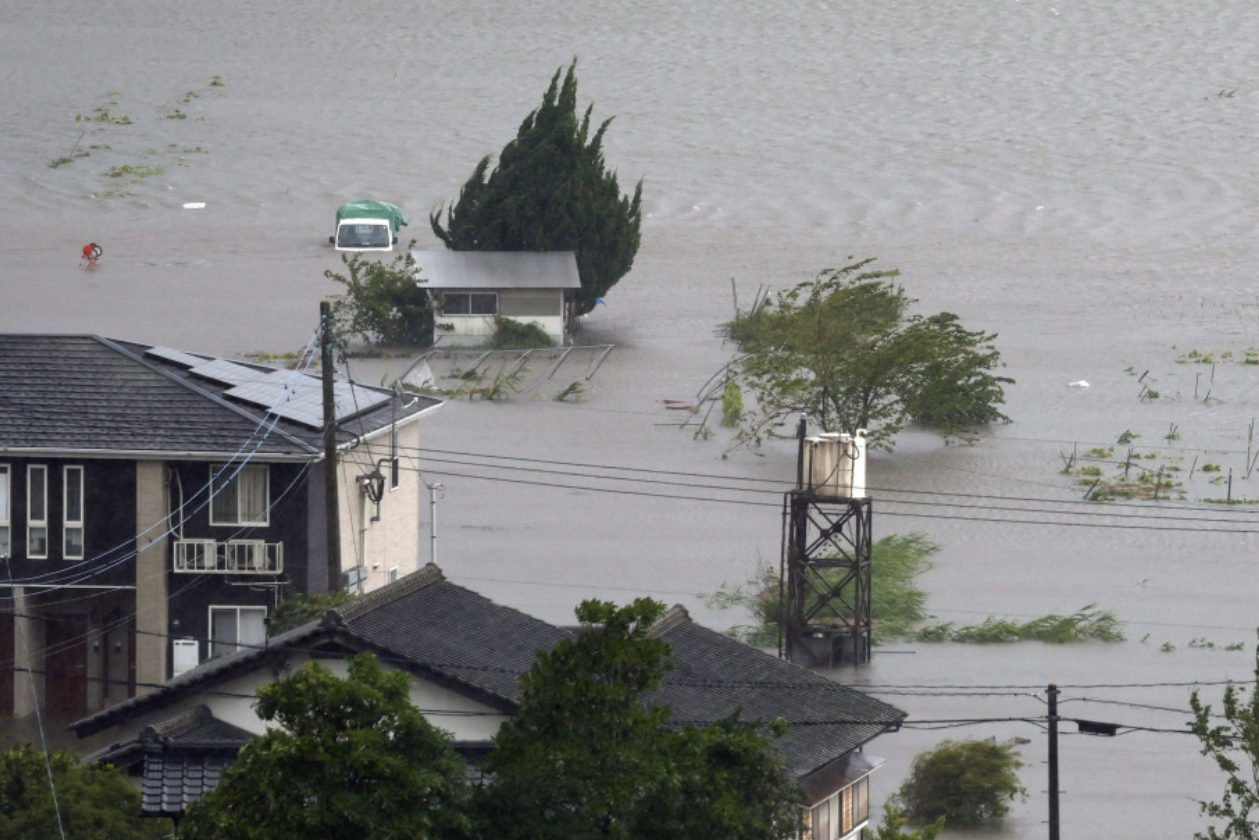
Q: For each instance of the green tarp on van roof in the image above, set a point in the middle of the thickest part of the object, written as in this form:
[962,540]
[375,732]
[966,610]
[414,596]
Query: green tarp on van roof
[372,210]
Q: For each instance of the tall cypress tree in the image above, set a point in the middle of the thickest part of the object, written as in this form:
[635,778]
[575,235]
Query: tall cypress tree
[551,191]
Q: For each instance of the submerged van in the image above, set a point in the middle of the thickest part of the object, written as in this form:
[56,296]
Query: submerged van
[367,226]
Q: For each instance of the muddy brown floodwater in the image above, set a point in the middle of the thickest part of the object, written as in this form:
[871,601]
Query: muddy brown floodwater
[1077,177]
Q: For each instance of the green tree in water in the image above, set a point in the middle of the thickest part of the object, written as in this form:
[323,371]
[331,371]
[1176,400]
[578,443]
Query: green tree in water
[1231,739]
[845,350]
[966,782]
[551,191]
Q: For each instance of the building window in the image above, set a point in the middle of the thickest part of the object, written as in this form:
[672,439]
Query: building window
[232,628]
[822,820]
[72,536]
[470,303]
[841,814]
[37,511]
[240,497]
[5,544]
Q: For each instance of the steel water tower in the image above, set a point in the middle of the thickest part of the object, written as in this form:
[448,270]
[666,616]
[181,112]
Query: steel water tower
[825,569]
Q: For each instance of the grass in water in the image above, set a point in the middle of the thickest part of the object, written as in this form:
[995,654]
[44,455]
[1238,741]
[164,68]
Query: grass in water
[899,608]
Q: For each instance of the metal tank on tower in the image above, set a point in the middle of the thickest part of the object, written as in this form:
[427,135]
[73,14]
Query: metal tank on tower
[825,573]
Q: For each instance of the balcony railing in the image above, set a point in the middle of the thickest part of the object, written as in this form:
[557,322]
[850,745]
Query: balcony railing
[229,557]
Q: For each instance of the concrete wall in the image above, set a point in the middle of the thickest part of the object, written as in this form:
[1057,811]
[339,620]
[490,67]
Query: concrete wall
[152,607]
[383,538]
[542,306]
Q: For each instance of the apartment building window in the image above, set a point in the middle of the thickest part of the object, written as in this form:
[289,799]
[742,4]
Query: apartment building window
[37,511]
[240,497]
[232,628]
[72,531]
[5,544]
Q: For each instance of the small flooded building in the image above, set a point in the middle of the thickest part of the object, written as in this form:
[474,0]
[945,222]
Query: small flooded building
[472,290]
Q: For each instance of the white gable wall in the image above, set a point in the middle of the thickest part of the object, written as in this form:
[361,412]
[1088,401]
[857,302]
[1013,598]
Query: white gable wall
[234,702]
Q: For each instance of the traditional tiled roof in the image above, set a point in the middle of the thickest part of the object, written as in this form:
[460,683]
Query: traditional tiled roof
[453,636]
[713,676]
[184,758]
[92,395]
[451,633]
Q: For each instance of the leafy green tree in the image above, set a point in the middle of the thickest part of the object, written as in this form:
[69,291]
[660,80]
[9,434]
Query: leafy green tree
[383,304]
[551,191]
[725,781]
[589,755]
[300,607]
[353,759]
[845,350]
[894,825]
[1234,747]
[93,802]
[966,782]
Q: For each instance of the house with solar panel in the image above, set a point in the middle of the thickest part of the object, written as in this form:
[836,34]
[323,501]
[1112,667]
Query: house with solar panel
[466,654]
[155,506]
[473,290]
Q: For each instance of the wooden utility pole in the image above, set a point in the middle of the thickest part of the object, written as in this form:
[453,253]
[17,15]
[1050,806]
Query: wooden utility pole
[332,510]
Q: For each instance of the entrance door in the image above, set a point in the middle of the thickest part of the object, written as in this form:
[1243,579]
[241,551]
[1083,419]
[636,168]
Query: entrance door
[65,663]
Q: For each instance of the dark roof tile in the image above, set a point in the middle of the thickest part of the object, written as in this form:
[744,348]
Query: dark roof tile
[68,393]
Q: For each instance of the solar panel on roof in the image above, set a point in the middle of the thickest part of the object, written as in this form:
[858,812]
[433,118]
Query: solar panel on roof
[227,373]
[179,357]
[303,401]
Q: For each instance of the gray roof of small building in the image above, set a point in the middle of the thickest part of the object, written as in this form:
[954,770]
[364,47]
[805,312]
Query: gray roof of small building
[497,269]
[91,396]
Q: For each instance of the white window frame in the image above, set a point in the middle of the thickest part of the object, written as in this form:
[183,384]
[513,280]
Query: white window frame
[36,524]
[227,494]
[6,506]
[224,648]
[72,485]
[465,300]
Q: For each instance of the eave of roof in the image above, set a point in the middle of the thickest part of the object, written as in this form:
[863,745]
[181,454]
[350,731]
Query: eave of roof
[487,270]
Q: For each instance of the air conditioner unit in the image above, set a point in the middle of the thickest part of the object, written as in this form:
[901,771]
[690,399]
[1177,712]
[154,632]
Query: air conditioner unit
[247,555]
[185,655]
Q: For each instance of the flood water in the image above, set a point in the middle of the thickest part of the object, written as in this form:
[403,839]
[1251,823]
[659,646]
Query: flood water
[1077,177]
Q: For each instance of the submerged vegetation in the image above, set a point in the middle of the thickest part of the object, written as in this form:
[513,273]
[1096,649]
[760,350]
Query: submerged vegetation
[105,125]
[1086,624]
[1169,471]
[899,607]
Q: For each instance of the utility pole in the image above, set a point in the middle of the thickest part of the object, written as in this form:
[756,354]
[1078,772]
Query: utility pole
[1053,762]
[332,510]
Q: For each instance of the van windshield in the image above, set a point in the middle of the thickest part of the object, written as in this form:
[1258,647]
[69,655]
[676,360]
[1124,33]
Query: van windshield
[363,236]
